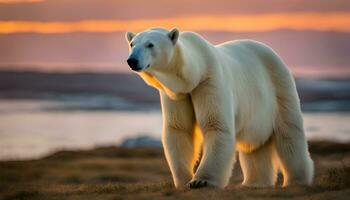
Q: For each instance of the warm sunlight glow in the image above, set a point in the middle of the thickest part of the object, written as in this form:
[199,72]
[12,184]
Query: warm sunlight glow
[21,1]
[231,23]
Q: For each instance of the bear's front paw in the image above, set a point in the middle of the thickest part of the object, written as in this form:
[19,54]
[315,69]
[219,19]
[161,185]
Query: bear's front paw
[200,183]
[194,184]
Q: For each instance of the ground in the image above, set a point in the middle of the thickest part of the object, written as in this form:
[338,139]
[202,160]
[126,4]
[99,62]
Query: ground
[119,173]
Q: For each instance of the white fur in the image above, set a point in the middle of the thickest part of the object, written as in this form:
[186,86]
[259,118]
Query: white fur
[241,97]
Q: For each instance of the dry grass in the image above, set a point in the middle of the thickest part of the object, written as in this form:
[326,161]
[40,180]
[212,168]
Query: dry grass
[116,173]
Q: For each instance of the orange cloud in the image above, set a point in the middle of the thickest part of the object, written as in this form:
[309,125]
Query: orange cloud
[336,21]
[20,1]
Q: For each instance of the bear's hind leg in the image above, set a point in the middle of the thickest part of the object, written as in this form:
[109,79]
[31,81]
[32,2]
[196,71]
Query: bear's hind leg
[291,146]
[258,166]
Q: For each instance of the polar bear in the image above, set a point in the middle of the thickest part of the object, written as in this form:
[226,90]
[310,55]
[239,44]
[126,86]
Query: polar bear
[219,99]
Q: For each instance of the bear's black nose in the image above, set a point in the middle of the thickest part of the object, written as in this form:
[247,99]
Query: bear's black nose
[133,63]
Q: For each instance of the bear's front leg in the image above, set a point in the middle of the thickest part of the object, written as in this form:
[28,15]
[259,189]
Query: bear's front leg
[178,138]
[214,113]
[217,161]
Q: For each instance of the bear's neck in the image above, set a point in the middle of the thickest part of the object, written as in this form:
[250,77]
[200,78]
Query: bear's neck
[181,76]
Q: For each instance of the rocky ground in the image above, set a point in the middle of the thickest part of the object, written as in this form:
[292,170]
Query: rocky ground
[142,173]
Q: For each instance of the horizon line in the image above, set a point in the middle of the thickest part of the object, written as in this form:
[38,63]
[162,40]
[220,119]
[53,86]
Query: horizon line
[297,71]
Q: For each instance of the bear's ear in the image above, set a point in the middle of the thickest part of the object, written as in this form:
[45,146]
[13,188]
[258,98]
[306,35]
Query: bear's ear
[129,36]
[174,35]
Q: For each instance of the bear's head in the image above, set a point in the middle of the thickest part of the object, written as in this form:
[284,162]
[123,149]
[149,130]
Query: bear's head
[152,49]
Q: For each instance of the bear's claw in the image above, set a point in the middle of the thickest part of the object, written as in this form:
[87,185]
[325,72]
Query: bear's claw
[197,184]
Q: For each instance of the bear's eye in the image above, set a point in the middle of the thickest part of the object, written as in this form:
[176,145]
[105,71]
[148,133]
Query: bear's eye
[150,45]
[131,44]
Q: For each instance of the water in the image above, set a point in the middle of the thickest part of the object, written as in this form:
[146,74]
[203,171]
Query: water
[29,129]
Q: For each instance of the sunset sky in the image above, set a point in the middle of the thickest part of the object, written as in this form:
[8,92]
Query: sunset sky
[312,36]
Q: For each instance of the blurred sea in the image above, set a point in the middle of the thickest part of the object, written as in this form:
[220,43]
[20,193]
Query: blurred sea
[35,128]
[43,113]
